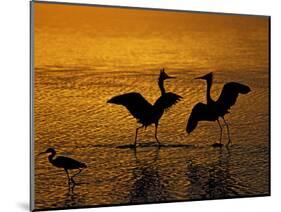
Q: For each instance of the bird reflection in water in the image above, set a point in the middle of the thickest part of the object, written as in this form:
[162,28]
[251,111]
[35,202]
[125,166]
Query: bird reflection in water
[148,186]
[213,181]
[73,199]
[219,180]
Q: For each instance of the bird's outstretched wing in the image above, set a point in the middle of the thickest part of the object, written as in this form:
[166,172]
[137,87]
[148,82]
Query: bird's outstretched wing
[199,112]
[135,103]
[230,93]
[167,100]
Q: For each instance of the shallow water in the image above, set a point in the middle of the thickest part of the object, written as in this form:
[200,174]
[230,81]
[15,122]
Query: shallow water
[76,73]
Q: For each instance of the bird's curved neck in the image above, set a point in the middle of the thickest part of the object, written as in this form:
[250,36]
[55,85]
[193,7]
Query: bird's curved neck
[51,157]
[209,85]
[161,86]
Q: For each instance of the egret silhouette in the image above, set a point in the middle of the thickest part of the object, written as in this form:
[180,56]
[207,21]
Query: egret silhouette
[65,163]
[146,113]
[215,109]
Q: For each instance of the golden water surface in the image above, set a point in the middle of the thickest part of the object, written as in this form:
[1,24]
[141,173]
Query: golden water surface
[85,55]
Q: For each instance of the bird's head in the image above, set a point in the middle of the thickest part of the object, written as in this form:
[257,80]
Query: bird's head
[163,75]
[206,77]
[49,150]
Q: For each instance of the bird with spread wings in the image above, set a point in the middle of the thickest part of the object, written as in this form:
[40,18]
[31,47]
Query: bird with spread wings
[213,110]
[146,113]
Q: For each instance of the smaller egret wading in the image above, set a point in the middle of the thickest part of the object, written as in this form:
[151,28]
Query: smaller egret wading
[213,110]
[65,163]
[146,113]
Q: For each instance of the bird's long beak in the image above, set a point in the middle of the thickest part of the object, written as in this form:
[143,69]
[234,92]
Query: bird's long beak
[199,77]
[205,77]
[41,153]
[169,77]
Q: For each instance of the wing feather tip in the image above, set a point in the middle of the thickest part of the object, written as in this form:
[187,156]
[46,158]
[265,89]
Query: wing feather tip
[191,125]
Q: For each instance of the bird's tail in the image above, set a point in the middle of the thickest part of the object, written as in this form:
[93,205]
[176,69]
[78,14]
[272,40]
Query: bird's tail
[191,124]
[83,165]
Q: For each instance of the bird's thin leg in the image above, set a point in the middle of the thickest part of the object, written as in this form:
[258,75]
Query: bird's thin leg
[228,133]
[72,180]
[220,129]
[156,126]
[69,180]
[136,136]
